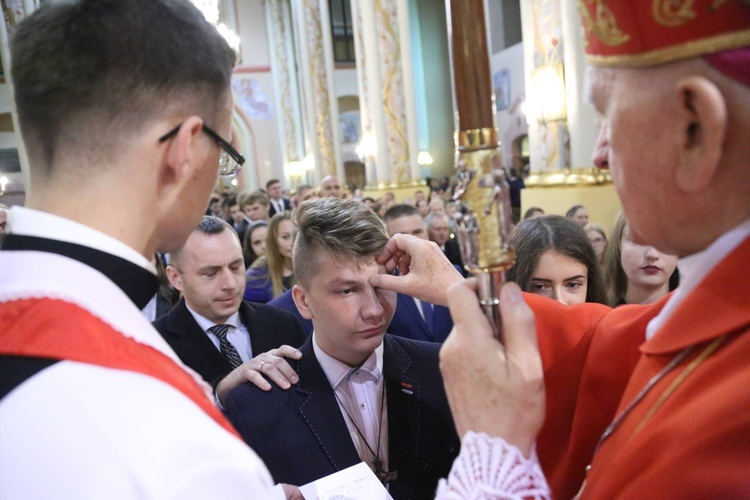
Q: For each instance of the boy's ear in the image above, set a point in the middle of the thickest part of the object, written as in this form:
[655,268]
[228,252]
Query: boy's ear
[299,295]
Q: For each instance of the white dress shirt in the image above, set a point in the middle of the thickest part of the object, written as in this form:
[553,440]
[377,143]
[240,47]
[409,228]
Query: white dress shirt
[237,335]
[359,394]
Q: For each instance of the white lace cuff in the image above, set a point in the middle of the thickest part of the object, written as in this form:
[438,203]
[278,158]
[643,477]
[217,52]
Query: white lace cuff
[490,468]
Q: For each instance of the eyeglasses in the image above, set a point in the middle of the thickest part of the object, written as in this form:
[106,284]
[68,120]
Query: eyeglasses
[230,160]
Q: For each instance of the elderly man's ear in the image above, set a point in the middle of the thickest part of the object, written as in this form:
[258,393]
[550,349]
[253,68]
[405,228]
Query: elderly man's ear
[702,123]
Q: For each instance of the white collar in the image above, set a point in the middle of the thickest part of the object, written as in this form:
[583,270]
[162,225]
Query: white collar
[336,371]
[205,323]
[694,268]
[30,222]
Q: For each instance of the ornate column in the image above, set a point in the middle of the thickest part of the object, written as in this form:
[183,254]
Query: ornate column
[320,107]
[582,119]
[13,13]
[287,95]
[545,86]
[383,51]
[562,127]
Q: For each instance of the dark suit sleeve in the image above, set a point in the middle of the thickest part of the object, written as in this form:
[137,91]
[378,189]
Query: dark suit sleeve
[270,327]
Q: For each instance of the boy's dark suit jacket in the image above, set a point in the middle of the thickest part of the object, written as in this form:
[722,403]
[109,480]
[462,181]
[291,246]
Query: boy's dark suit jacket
[268,327]
[301,434]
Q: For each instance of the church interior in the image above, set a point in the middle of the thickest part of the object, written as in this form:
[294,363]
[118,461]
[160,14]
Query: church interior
[363,90]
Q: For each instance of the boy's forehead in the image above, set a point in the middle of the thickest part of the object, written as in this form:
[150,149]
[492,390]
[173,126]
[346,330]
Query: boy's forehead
[334,268]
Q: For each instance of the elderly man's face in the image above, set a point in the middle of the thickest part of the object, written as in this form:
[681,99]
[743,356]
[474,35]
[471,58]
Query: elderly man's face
[635,145]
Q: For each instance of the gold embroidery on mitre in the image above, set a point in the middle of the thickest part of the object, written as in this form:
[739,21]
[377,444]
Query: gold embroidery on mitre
[672,13]
[684,50]
[603,25]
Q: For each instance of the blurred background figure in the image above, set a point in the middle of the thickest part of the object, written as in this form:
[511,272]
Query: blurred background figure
[254,243]
[555,259]
[637,274]
[254,205]
[3,221]
[439,231]
[271,275]
[277,201]
[331,186]
[234,215]
[299,195]
[437,206]
[214,206]
[424,207]
[598,238]
[578,214]
[533,212]
[516,184]
[166,296]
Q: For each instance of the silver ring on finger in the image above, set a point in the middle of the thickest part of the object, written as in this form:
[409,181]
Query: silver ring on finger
[260,367]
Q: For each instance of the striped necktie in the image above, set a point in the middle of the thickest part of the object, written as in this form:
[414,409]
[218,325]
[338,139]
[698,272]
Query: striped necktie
[226,348]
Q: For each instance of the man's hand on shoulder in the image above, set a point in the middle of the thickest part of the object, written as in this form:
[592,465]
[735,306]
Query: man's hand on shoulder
[271,364]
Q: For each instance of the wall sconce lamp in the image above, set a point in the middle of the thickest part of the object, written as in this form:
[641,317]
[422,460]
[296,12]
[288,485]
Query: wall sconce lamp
[367,147]
[424,158]
[548,94]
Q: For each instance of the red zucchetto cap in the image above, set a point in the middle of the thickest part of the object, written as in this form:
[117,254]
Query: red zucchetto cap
[638,33]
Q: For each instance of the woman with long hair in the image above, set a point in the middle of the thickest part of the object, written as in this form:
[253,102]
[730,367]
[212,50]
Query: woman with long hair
[254,242]
[555,259]
[598,238]
[271,275]
[637,274]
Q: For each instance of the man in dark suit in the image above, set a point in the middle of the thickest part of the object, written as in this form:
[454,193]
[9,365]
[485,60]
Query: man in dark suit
[439,231]
[211,328]
[278,203]
[362,395]
[415,319]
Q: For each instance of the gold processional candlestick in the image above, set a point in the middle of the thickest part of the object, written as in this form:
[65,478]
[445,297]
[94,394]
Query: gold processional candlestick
[483,197]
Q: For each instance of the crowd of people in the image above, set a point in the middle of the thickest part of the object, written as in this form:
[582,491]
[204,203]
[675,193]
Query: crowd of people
[261,219]
[225,398]
[566,258]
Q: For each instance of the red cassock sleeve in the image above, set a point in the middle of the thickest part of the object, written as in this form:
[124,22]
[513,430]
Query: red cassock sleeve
[588,351]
